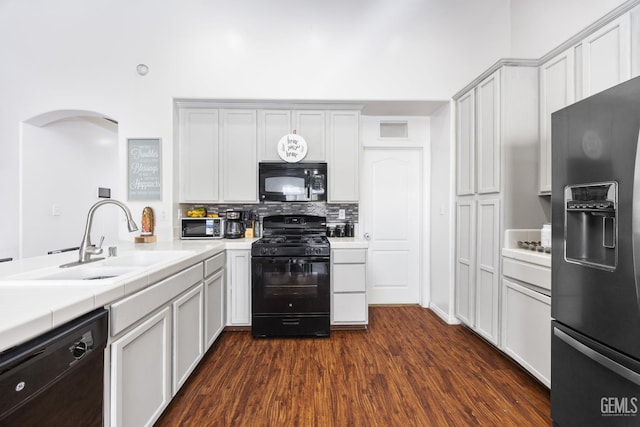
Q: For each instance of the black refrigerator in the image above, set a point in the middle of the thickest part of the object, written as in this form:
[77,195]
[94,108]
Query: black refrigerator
[595,301]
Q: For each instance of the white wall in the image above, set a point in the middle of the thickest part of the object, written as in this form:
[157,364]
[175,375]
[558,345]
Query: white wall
[74,54]
[63,164]
[442,214]
[539,26]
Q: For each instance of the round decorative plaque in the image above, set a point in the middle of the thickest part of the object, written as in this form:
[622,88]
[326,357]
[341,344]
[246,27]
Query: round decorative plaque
[292,148]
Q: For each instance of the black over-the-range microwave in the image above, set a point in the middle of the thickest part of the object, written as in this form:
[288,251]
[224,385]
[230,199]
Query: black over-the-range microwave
[293,182]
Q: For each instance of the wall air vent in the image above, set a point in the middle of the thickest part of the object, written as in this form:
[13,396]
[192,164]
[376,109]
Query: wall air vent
[394,129]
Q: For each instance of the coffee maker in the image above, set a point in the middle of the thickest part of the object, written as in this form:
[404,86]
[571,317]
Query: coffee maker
[234,226]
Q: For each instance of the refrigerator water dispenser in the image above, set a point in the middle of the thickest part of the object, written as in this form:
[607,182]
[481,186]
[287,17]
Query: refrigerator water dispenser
[591,230]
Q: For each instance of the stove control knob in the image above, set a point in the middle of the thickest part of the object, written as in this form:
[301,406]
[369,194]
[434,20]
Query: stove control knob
[273,251]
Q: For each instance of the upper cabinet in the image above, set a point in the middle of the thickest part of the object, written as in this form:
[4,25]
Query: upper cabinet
[557,90]
[606,56]
[488,136]
[239,158]
[219,149]
[272,125]
[478,138]
[311,125]
[466,143]
[598,61]
[343,148]
[199,155]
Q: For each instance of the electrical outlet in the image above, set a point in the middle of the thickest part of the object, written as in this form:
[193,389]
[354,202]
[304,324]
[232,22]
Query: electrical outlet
[342,214]
[55,209]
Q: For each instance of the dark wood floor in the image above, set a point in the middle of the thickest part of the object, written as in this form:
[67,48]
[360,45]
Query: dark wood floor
[408,369]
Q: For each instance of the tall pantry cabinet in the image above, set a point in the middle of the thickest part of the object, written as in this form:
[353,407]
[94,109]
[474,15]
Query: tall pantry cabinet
[496,185]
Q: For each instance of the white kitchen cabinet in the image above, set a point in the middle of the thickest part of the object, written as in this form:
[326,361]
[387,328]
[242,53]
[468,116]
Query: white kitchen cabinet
[199,155]
[188,334]
[557,90]
[526,316]
[214,302]
[311,125]
[488,134]
[487,275]
[465,261]
[478,138]
[272,126]
[144,357]
[496,138]
[466,143]
[141,372]
[343,156]
[239,287]
[606,56]
[349,288]
[239,156]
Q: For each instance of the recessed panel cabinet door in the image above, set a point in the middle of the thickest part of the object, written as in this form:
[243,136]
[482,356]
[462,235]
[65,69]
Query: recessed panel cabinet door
[465,261]
[343,156]
[311,125]
[199,179]
[239,156]
[488,270]
[466,140]
[141,372]
[188,335]
[488,134]
[273,125]
[557,90]
[607,56]
[214,314]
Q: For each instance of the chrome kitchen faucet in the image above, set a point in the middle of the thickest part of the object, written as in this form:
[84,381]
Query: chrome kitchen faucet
[86,248]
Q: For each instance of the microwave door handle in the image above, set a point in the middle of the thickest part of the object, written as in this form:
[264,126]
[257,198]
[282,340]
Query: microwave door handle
[308,184]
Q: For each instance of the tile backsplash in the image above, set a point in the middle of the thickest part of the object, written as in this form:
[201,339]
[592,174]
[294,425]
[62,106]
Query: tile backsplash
[331,211]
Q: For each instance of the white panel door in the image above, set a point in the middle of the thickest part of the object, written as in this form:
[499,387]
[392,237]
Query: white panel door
[607,56]
[556,92]
[465,261]
[199,157]
[392,207]
[466,143]
[488,134]
[239,156]
[488,269]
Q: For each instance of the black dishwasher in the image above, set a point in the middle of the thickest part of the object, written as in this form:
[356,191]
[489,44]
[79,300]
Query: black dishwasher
[56,379]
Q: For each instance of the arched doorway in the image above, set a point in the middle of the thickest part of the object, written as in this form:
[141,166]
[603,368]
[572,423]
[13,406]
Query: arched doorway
[65,156]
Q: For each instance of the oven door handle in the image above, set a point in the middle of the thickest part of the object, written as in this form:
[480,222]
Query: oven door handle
[292,260]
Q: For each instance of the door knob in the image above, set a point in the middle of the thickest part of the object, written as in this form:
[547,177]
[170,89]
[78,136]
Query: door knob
[367,236]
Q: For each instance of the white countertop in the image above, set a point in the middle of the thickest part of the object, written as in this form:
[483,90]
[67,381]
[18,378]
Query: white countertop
[30,307]
[539,258]
[511,249]
[348,243]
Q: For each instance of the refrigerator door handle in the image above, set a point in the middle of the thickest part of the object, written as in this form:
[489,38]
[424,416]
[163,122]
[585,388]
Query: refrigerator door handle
[598,357]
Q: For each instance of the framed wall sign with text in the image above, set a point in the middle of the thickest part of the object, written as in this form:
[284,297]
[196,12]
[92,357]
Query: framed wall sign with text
[145,173]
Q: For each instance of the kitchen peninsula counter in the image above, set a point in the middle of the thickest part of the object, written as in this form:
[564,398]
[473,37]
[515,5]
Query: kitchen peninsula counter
[30,307]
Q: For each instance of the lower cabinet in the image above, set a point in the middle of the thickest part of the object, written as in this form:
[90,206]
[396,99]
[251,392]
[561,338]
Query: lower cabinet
[141,372]
[349,287]
[526,317]
[188,334]
[239,287]
[214,308]
[159,335]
